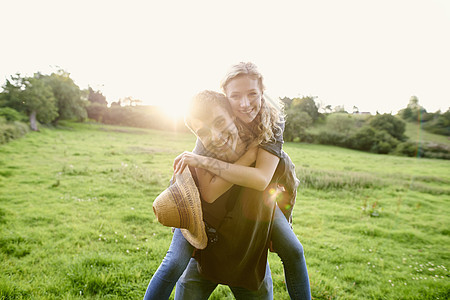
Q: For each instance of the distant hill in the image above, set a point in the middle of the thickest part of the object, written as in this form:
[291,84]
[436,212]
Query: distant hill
[416,134]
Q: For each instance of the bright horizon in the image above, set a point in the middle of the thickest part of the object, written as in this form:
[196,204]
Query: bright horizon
[373,55]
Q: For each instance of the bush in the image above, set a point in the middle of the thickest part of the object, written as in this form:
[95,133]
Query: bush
[305,137]
[296,124]
[381,148]
[392,125]
[440,124]
[384,143]
[410,149]
[342,123]
[96,111]
[364,139]
[11,130]
[332,138]
[428,150]
[435,150]
[12,115]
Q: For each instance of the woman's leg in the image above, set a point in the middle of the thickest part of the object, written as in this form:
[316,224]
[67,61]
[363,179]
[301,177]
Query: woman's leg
[290,250]
[171,268]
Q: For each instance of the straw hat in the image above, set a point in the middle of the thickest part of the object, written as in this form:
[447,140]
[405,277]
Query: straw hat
[179,206]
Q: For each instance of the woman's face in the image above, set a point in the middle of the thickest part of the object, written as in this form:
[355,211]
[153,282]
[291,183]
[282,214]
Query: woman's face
[244,95]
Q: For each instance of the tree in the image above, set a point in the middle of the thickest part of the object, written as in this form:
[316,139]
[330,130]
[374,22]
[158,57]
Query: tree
[31,96]
[364,138]
[296,124]
[413,111]
[130,101]
[342,123]
[327,109]
[97,97]
[68,96]
[392,125]
[440,124]
[97,105]
[340,109]
[307,105]
[287,102]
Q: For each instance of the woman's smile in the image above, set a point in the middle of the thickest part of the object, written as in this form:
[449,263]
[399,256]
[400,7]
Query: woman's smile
[244,96]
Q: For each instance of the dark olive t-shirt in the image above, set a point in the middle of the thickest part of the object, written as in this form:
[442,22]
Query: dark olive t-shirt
[243,224]
[243,220]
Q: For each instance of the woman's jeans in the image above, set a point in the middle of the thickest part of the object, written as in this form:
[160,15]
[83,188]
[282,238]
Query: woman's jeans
[171,268]
[284,242]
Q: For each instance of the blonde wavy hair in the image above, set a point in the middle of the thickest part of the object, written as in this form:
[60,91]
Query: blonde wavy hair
[270,116]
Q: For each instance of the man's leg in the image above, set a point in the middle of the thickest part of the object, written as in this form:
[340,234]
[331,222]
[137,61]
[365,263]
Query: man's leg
[192,285]
[265,292]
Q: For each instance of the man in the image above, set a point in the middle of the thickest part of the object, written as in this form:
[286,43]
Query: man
[213,122]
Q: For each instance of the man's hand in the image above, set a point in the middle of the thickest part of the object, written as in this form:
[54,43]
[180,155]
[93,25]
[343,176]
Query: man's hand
[187,158]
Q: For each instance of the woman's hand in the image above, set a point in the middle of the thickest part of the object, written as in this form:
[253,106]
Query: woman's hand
[187,158]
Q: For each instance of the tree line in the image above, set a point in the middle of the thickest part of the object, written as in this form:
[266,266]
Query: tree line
[380,133]
[43,98]
[47,99]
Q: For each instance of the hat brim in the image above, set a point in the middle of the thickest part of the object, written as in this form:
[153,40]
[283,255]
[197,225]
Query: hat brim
[195,234]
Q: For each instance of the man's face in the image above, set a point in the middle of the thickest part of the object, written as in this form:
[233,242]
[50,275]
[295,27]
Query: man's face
[217,132]
[244,95]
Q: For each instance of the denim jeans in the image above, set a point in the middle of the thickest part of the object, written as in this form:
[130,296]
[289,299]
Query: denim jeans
[286,244]
[174,264]
[192,285]
[171,268]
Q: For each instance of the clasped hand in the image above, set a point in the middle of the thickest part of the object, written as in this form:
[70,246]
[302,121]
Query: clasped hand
[187,158]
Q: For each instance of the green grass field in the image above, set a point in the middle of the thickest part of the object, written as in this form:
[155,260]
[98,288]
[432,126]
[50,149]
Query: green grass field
[76,217]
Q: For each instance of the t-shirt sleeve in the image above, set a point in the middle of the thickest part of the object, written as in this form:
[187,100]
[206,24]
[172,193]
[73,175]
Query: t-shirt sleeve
[275,146]
[199,148]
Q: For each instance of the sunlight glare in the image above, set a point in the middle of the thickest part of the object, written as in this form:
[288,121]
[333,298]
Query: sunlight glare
[174,111]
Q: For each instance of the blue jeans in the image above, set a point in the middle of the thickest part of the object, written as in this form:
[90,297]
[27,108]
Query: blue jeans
[171,268]
[192,285]
[286,244]
[175,263]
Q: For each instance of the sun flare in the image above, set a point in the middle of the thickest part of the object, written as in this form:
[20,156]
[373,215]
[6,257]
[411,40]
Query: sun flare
[174,111]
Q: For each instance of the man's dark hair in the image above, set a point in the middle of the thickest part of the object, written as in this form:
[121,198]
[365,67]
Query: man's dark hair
[203,103]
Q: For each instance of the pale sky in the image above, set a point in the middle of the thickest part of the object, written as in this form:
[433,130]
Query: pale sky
[371,54]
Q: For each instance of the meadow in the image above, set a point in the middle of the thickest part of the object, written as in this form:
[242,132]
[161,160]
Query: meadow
[76,217]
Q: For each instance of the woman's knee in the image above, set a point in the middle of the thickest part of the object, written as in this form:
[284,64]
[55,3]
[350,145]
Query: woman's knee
[298,250]
[294,251]
[288,247]
[173,265]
